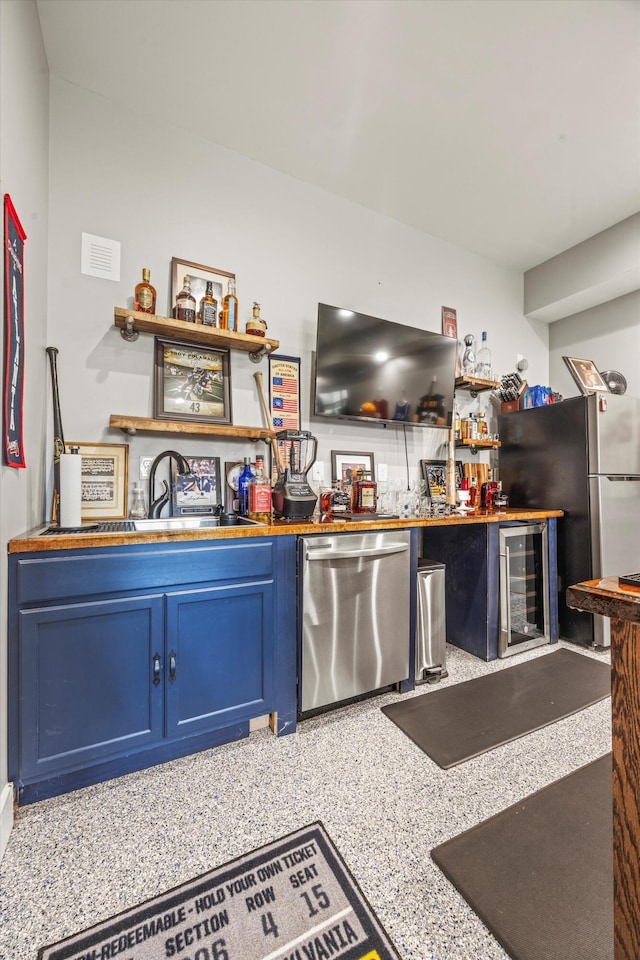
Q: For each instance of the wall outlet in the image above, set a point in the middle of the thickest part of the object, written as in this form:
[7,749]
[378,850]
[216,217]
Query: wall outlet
[145,467]
[383,473]
[317,471]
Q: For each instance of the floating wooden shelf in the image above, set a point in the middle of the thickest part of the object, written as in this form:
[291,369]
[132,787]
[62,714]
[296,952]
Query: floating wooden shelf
[131,425]
[478,443]
[475,385]
[132,322]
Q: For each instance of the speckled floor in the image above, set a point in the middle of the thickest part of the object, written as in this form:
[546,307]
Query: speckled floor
[79,858]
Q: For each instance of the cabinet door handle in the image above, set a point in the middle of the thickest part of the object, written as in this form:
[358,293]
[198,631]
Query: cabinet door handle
[172,666]
[156,669]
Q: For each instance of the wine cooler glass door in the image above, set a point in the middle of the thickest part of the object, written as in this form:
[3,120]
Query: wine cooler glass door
[524,588]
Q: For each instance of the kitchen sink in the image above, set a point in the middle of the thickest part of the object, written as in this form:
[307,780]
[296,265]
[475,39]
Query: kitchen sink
[161,524]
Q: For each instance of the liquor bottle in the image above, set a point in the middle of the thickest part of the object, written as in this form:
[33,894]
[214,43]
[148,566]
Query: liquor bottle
[186,303]
[457,423]
[209,307]
[244,480]
[145,293]
[260,494]
[256,326]
[483,360]
[363,493]
[230,308]
[473,498]
[339,501]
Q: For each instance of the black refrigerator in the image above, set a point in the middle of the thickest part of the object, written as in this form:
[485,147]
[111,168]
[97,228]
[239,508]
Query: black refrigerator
[581,456]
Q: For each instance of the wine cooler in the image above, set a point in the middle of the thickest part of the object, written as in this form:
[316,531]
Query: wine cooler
[524,588]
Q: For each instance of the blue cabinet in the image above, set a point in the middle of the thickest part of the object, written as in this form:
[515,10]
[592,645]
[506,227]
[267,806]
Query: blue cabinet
[123,657]
[220,661]
[86,686]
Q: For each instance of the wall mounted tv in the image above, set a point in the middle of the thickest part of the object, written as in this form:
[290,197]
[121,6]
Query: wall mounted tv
[376,370]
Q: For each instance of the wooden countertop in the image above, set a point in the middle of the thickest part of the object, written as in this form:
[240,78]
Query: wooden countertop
[36,540]
[606,597]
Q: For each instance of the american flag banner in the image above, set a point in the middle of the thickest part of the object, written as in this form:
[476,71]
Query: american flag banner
[284,390]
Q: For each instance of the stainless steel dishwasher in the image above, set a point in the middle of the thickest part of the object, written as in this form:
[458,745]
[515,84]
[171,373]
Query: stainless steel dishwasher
[355,615]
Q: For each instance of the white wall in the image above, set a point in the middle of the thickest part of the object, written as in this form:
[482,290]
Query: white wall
[608,334]
[24,85]
[163,192]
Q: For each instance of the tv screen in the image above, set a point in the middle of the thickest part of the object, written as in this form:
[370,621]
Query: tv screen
[377,370]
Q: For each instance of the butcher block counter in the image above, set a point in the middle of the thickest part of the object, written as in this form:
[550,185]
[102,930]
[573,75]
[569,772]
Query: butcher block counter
[38,540]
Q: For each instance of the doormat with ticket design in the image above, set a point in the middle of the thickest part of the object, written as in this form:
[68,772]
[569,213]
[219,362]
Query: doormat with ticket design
[293,899]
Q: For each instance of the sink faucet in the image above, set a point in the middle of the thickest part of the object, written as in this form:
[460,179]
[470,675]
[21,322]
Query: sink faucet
[155,508]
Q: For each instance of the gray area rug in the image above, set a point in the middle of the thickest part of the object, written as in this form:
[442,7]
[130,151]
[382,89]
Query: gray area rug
[292,898]
[540,874]
[466,719]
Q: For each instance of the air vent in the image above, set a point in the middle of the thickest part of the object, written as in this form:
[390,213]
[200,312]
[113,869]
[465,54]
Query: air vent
[100,257]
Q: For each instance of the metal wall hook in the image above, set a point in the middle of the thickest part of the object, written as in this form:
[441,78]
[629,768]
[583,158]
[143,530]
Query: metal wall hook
[259,354]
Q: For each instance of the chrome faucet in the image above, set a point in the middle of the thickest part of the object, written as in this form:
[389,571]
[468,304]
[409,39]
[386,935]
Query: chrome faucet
[155,508]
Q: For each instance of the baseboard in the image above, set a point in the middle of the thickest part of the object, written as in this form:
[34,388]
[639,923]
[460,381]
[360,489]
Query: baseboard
[6,816]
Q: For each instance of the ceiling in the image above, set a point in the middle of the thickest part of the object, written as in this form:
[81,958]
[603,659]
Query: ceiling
[507,127]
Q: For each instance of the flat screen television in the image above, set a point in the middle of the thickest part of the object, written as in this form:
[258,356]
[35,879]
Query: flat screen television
[380,371]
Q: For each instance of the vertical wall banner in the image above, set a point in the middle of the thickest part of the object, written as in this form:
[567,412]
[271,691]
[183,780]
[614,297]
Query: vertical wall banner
[284,392]
[14,237]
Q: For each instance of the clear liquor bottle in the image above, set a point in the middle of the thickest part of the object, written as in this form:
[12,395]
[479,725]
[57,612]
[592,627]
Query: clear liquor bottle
[230,309]
[209,307]
[483,360]
[145,293]
[260,501]
[186,303]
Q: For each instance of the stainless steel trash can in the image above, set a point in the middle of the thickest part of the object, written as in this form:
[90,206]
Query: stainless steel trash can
[431,627]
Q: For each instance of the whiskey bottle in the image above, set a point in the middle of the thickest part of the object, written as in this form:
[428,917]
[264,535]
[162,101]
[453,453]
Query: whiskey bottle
[186,303]
[256,326]
[145,293]
[260,494]
[363,493]
[230,308]
[209,307]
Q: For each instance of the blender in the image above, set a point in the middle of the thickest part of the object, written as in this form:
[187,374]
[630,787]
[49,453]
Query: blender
[293,498]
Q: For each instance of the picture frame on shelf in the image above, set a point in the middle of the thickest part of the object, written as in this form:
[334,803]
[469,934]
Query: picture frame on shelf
[198,275]
[191,382]
[434,473]
[586,375]
[344,463]
[105,477]
[197,492]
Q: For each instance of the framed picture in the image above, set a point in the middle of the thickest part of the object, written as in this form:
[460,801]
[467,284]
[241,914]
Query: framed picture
[198,275]
[435,474]
[344,464]
[586,375]
[105,474]
[192,382]
[198,491]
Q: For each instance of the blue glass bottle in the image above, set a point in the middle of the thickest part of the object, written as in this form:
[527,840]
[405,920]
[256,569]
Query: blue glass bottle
[243,488]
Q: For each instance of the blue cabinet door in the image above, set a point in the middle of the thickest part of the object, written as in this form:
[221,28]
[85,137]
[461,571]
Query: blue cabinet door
[87,688]
[219,648]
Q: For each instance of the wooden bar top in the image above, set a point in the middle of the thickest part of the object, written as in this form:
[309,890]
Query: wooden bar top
[37,539]
[606,597]
[622,604]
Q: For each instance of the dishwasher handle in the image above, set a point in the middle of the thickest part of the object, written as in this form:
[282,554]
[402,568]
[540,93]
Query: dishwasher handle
[350,554]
